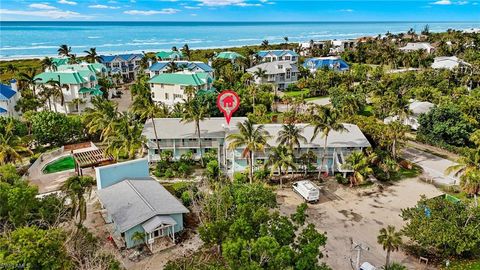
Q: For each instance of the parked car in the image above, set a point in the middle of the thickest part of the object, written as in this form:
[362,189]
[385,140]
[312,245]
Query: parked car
[307,190]
[367,266]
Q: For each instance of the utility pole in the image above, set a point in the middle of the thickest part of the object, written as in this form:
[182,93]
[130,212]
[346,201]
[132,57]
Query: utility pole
[358,248]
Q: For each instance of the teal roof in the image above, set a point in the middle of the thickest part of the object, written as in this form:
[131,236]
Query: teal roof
[169,55]
[92,91]
[193,79]
[205,92]
[60,61]
[229,55]
[64,77]
[93,67]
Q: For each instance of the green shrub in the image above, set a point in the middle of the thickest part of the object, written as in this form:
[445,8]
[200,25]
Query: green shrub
[184,169]
[341,180]
[34,157]
[213,170]
[169,173]
[186,198]
[240,178]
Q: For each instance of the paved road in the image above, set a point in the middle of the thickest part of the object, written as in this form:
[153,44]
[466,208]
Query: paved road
[433,166]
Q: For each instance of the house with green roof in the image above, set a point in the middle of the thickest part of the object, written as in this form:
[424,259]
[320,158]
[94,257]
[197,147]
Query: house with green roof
[169,88]
[96,68]
[229,56]
[169,55]
[78,88]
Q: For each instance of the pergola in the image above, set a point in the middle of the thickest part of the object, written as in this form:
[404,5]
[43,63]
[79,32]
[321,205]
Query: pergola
[91,158]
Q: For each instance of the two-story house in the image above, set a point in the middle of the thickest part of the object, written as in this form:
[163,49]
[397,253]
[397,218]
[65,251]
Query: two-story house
[175,66]
[127,65]
[8,99]
[277,55]
[331,62]
[278,73]
[169,88]
[180,137]
[77,87]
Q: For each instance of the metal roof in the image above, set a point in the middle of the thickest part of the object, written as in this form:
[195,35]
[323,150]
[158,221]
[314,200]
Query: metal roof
[124,57]
[229,55]
[134,201]
[160,65]
[278,53]
[156,221]
[65,77]
[6,92]
[274,67]
[192,79]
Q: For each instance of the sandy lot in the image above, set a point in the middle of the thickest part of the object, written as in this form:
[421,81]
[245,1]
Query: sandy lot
[346,214]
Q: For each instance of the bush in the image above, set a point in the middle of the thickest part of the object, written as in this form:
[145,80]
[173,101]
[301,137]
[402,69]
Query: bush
[184,169]
[169,173]
[213,170]
[240,178]
[186,198]
[34,157]
[341,180]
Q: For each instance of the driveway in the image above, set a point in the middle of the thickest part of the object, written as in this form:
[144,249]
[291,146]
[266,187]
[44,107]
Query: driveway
[356,215]
[433,166]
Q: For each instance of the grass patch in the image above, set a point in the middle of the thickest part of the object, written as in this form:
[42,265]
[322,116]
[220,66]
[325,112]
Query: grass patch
[314,98]
[292,94]
[62,164]
[464,265]
[367,111]
[401,174]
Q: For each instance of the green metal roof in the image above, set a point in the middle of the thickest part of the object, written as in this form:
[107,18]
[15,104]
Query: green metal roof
[60,61]
[92,91]
[64,77]
[205,92]
[229,55]
[93,67]
[169,55]
[193,79]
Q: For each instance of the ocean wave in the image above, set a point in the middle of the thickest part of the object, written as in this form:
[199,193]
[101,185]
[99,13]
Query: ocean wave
[94,37]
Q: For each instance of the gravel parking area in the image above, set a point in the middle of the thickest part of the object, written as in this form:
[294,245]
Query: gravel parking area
[357,215]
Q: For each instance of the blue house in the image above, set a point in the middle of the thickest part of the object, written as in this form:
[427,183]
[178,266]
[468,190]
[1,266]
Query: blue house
[127,65]
[190,66]
[334,63]
[134,202]
[8,99]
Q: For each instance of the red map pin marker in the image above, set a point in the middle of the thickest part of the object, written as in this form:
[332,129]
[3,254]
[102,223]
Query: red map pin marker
[228,102]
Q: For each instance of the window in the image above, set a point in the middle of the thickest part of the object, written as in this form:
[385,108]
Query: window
[288,74]
[137,63]
[175,96]
[287,57]
[280,66]
[166,95]
[151,85]
[153,94]
[157,72]
[162,85]
[116,64]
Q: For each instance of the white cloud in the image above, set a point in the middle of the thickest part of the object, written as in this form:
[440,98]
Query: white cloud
[152,12]
[112,2]
[66,2]
[461,3]
[191,7]
[41,6]
[103,7]
[442,2]
[216,3]
[50,13]
[193,14]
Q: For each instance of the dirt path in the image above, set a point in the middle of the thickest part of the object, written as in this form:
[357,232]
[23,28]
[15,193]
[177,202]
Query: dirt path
[346,215]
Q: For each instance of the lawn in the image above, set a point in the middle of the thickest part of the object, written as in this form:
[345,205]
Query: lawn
[466,265]
[301,93]
[62,164]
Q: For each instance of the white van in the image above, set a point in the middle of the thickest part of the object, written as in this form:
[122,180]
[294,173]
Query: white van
[367,266]
[307,190]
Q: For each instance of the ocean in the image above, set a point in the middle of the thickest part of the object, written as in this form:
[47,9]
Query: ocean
[39,39]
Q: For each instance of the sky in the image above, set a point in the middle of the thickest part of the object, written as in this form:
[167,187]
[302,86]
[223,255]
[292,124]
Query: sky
[239,10]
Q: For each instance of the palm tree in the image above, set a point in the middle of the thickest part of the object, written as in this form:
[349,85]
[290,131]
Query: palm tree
[190,91]
[307,159]
[264,44]
[64,50]
[138,237]
[57,92]
[72,59]
[390,241]
[252,139]
[92,56]
[359,163]
[291,136]
[147,109]
[75,189]
[172,67]
[280,158]
[11,145]
[260,73]
[101,117]
[126,138]
[11,68]
[470,184]
[47,63]
[196,111]
[186,51]
[286,42]
[394,134]
[29,79]
[325,120]
[77,102]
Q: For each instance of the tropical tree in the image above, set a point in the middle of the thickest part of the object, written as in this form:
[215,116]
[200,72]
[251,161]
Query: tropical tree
[325,120]
[291,136]
[126,138]
[195,110]
[11,145]
[64,50]
[56,92]
[394,136]
[11,68]
[76,188]
[186,51]
[260,73]
[29,79]
[72,59]
[390,241]
[470,183]
[77,102]
[359,164]
[172,67]
[138,237]
[264,44]
[280,158]
[101,117]
[147,109]
[252,139]
[47,63]
[92,56]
